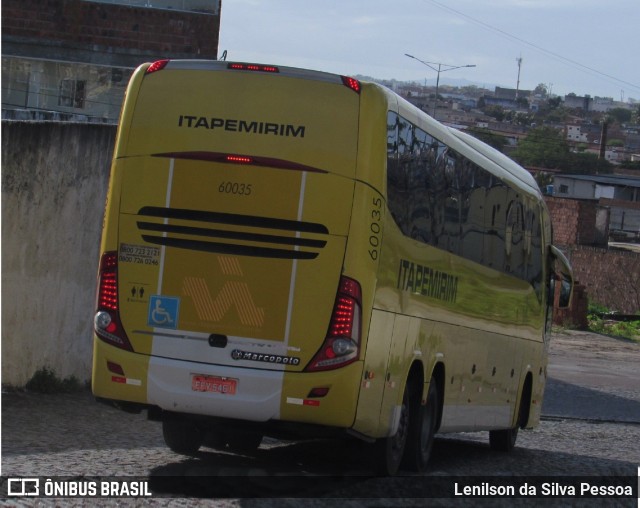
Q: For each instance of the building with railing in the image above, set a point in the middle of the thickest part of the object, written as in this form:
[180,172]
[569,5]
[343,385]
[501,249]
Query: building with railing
[72,59]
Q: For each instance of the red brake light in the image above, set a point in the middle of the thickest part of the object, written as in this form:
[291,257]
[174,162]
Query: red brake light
[158,65]
[240,159]
[352,83]
[342,343]
[108,287]
[252,67]
[107,323]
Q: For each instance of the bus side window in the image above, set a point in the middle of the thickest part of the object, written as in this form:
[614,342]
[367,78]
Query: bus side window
[494,223]
[395,179]
[472,212]
[420,212]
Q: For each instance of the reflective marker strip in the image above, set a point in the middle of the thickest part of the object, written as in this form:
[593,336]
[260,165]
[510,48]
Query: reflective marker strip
[124,380]
[303,402]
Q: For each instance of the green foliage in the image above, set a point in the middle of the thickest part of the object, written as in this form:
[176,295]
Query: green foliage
[541,90]
[598,323]
[630,165]
[46,381]
[496,112]
[620,115]
[543,180]
[587,164]
[545,147]
[495,140]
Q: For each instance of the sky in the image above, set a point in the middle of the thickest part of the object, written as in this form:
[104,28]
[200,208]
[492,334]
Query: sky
[571,46]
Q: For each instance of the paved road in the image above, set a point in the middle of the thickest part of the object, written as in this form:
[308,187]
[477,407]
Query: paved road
[593,377]
[588,432]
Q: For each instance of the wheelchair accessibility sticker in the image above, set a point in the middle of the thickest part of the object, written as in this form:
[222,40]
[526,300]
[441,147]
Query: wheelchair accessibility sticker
[163,311]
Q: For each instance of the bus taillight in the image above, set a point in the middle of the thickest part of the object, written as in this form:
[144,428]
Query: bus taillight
[352,83]
[106,322]
[342,344]
[156,66]
[237,66]
[239,159]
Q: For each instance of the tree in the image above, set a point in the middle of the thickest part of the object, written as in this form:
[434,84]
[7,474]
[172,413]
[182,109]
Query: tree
[495,140]
[543,147]
[620,115]
[554,102]
[496,112]
[541,90]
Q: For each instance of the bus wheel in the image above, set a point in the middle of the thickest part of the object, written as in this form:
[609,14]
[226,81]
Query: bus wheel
[215,439]
[388,452]
[243,441]
[182,436]
[505,440]
[422,428]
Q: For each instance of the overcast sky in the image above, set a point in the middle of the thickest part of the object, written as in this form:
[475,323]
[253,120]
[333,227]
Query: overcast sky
[581,46]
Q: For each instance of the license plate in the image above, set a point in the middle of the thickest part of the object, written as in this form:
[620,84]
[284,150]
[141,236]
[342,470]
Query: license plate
[214,384]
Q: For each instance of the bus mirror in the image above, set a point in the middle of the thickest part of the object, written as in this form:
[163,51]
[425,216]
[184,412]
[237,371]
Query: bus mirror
[563,275]
[566,286]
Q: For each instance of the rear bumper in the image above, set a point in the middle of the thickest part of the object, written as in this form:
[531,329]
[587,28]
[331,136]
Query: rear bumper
[261,395]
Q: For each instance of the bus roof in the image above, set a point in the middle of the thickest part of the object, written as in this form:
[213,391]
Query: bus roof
[217,65]
[499,158]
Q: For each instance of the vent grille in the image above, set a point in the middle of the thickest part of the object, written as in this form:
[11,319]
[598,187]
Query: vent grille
[232,241]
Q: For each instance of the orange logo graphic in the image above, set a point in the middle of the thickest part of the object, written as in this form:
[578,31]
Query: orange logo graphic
[234,293]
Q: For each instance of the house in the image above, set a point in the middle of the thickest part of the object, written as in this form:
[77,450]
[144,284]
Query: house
[619,193]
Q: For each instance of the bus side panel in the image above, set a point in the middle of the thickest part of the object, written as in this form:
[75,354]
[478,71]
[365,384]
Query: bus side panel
[482,374]
[376,358]
[372,140]
[132,386]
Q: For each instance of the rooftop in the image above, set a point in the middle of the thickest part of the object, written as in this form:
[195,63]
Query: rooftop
[621,180]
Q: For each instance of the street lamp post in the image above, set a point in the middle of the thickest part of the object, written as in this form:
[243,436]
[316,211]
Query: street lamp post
[439,69]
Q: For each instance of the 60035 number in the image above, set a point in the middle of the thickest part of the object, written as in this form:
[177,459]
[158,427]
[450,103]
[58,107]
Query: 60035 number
[375,228]
[239,189]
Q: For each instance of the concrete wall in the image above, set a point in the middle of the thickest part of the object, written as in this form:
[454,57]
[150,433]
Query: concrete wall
[54,183]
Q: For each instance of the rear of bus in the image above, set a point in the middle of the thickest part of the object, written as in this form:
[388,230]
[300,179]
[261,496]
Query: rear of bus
[221,289]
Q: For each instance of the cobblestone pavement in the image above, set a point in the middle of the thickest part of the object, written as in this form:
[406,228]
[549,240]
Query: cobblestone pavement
[72,435]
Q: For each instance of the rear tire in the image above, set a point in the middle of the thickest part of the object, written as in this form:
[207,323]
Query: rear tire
[388,452]
[182,436]
[243,441]
[505,440]
[422,428]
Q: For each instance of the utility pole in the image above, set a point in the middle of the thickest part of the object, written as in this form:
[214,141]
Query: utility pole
[603,138]
[519,60]
[440,69]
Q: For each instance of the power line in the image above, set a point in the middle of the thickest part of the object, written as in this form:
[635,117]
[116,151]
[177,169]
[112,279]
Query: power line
[574,63]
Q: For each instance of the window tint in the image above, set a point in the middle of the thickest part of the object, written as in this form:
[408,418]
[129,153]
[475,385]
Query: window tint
[441,198]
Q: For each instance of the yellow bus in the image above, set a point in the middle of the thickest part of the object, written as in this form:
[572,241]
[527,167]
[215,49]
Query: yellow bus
[291,252]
